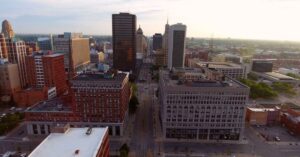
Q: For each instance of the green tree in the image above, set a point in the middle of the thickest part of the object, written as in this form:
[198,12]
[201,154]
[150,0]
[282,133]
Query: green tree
[134,88]
[259,90]
[9,122]
[124,150]
[252,76]
[133,104]
[293,75]
[282,87]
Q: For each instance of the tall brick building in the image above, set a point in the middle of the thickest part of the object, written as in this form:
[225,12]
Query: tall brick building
[46,69]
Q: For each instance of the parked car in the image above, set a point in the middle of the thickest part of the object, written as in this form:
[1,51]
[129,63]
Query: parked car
[12,108]
[276,138]
[3,115]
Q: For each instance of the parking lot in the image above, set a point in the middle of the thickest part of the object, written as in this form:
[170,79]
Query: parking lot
[271,132]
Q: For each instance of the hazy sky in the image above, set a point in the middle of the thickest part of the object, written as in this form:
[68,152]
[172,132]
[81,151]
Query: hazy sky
[254,19]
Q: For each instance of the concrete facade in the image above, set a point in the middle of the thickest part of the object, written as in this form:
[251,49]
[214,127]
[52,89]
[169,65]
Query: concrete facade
[16,55]
[194,107]
[235,71]
[75,49]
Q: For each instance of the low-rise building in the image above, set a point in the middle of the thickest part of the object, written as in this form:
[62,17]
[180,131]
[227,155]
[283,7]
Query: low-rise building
[262,65]
[70,142]
[262,116]
[276,77]
[31,96]
[235,71]
[197,107]
[159,58]
[97,57]
[291,120]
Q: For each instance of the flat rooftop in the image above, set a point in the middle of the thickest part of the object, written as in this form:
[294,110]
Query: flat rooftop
[261,109]
[171,79]
[279,76]
[53,105]
[100,77]
[219,65]
[65,144]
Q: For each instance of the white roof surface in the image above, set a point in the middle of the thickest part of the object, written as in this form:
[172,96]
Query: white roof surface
[65,144]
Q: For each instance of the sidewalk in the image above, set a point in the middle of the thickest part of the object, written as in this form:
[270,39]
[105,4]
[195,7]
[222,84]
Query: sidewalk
[207,155]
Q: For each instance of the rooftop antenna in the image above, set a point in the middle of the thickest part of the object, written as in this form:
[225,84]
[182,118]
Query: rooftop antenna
[168,20]
[211,44]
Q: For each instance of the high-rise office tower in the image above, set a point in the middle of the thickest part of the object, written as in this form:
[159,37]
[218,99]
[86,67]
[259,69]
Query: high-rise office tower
[157,41]
[124,41]
[7,29]
[16,55]
[165,43]
[3,48]
[46,69]
[75,49]
[176,45]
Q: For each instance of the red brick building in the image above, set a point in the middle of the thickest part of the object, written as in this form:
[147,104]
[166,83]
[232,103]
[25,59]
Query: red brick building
[28,97]
[291,120]
[96,99]
[101,97]
[46,69]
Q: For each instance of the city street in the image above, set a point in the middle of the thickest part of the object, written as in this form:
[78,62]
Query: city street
[142,141]
[18,139]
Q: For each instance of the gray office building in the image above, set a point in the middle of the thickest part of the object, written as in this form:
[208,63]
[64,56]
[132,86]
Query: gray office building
[201,107]
[259,65]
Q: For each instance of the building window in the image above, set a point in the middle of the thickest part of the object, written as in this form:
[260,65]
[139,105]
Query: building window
[34,128]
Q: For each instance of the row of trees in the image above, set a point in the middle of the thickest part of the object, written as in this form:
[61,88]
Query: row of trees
[259,90]
[285,88]
[133,102]
[293,75]
[262,90]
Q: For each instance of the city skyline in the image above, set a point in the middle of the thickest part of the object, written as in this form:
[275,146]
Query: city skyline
[256,19]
